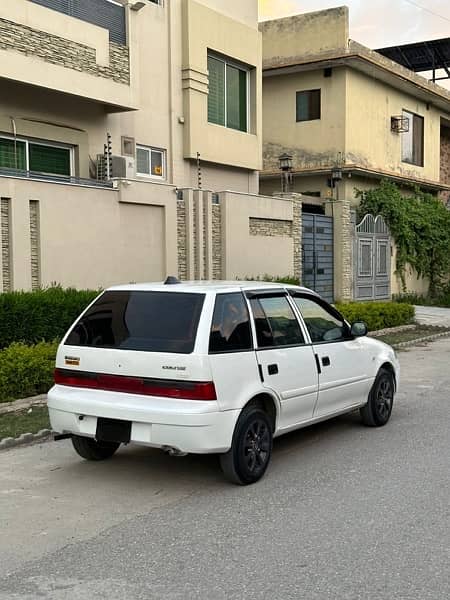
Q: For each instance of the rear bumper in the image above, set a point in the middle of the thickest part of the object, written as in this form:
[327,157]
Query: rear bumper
[187,425]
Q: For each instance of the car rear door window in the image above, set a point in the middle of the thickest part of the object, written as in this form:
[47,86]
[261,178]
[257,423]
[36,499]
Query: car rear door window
[230,328]
[140,320]
[275,322]
[322,325]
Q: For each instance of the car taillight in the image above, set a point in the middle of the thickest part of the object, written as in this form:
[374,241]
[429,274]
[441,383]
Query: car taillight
[168,388]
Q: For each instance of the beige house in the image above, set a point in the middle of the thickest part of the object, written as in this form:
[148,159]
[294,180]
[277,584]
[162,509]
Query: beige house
[121,125]
[342,110]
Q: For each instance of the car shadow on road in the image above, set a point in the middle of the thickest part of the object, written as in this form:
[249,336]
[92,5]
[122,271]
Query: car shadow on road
[138,467]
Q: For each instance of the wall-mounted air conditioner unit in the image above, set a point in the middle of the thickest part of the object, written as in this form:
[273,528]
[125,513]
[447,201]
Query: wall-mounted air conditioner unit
[118,167]
[130,167]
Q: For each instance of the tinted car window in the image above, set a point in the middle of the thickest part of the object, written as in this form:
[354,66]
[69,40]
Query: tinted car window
[275,322]
[147,321]
[321,324]
[230,328]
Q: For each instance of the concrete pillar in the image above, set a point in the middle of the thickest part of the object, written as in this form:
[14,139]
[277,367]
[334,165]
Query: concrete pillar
[190,233]
[208,234]
[198,234]
[343,251]
[296,199]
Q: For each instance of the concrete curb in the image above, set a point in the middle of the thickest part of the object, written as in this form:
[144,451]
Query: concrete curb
[24,438]
[427,338]
[388,330]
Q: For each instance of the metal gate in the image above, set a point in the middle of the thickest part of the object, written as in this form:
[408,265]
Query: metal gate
[317,254]
[372,262]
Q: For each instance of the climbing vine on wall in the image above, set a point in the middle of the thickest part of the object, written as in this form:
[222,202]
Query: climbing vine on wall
[420,226]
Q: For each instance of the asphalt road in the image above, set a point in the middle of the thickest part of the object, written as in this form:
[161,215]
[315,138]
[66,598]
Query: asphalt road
[344,513]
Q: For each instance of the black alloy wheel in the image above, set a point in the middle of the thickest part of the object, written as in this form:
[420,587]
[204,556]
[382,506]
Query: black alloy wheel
[378,409]
[248,458]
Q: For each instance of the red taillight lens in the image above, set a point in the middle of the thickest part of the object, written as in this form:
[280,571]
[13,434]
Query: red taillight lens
[168,388]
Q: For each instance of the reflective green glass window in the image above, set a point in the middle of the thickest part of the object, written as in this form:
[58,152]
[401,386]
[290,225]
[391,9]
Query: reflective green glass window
[49,159]
[216,94]
[12,154]
[236,98]
[227,96]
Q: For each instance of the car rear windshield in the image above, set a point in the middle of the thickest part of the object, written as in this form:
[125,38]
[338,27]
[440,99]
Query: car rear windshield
[145,321]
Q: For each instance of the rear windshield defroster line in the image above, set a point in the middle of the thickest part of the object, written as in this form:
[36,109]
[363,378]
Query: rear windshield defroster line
[140,320]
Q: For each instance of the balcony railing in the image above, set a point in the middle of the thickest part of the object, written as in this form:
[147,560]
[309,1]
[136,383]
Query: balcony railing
[103,13]
[45,177]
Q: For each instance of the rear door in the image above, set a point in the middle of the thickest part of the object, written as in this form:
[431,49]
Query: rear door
[344,380]
[286,362]
[231,352]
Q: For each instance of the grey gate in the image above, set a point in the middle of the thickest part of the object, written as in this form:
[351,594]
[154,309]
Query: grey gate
[372,262]
[317,254]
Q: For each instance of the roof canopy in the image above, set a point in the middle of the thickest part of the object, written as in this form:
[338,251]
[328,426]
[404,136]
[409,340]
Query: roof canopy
[431,55]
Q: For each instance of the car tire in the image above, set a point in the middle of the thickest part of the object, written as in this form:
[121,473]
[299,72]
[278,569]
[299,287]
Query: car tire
[251,448]
[90,449]
[377,411]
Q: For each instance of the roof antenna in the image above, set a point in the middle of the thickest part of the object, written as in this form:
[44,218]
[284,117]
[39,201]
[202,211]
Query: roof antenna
[171,280]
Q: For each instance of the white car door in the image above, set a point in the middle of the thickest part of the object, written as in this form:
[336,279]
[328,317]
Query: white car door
[346,365]
[286,362]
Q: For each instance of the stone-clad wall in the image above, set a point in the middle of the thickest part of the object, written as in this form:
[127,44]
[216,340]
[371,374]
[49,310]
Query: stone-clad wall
[346,245]
[60,51]
[217,241]
[181,237]
[34,245]
[297,236]
[445,161]
[270,227]
[6,243]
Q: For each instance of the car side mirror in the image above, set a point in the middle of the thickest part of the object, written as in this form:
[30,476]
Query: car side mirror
[358,329]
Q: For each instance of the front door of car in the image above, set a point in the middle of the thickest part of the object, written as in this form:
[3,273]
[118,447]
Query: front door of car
[286,362]
[344,380]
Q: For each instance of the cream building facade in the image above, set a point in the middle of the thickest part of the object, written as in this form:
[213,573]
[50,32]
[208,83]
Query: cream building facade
[121,125]
[330,103]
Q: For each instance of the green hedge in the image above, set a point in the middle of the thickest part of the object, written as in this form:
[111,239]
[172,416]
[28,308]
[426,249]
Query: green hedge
[44,315]
[378,315]
[26,370]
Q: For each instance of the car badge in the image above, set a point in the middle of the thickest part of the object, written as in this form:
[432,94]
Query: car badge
[74,361]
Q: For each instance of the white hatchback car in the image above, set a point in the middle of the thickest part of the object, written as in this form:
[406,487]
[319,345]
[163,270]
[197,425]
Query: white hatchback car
[213,367]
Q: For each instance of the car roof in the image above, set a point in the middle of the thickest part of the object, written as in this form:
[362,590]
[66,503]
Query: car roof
[203,287]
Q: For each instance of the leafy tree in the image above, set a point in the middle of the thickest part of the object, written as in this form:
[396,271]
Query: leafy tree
[420,226]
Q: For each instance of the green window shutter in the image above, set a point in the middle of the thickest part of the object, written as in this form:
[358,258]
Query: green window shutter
[236,98]
[49,159]
[12,155]
[216,94]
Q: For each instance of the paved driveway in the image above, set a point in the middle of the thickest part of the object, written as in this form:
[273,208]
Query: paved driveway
[344,513]
[433,315]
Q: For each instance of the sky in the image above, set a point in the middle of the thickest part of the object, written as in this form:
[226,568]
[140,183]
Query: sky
[377,23]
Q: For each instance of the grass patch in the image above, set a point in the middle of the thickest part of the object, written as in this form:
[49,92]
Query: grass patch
[411,334]
[14,423]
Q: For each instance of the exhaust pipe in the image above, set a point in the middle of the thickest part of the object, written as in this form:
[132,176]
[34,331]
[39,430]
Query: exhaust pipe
[171,451]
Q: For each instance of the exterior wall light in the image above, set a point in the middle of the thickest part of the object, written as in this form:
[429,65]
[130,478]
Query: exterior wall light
[285,166]
[336,174]
[137,6]
[285,162]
